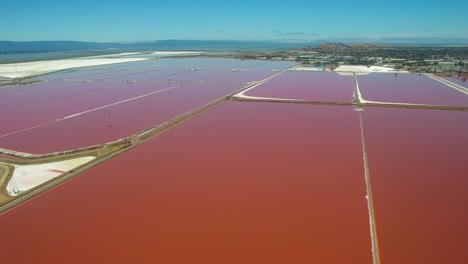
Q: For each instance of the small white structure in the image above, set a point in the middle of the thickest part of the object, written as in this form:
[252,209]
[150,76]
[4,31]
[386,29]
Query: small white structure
[362,70]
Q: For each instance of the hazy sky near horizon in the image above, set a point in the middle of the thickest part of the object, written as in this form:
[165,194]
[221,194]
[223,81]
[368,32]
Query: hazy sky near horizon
[293,20]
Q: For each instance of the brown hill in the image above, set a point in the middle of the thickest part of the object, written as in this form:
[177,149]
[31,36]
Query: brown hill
[333,46]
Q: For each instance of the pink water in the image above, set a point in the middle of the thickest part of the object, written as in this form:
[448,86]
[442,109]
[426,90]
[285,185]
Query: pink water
[242,183]
[304,85]
[196,75]
[244,75]
[15,96]
[409,88]
[199,63]
[145,75]
[95,95]
[459,81]
[114,122]
[417,163]
[75,74]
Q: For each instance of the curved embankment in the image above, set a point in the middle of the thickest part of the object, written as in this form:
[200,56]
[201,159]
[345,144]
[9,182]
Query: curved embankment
[6,171]
[101,153]
[52,173]
[107,151]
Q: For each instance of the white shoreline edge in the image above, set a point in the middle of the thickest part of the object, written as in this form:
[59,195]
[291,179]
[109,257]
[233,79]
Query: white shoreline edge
[28,69]
[26,177]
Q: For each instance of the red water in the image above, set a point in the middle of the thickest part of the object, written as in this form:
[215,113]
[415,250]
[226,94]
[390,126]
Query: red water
[242,183]
[316,86]
[418,167]
[409,88]
[115,122]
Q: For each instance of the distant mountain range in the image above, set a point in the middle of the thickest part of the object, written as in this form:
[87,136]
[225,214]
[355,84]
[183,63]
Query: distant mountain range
[48,46]
[14,47]
[8,47]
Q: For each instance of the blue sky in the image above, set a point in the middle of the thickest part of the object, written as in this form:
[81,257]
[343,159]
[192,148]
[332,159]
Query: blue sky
[284,20]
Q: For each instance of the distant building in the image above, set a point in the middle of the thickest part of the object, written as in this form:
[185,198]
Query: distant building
[446,66]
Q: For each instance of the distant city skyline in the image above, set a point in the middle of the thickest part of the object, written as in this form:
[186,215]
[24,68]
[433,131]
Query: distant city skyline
[290,21]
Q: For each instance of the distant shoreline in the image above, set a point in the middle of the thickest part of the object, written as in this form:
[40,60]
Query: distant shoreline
[47,56]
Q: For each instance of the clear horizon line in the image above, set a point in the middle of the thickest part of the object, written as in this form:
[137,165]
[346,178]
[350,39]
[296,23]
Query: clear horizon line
[381,40]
